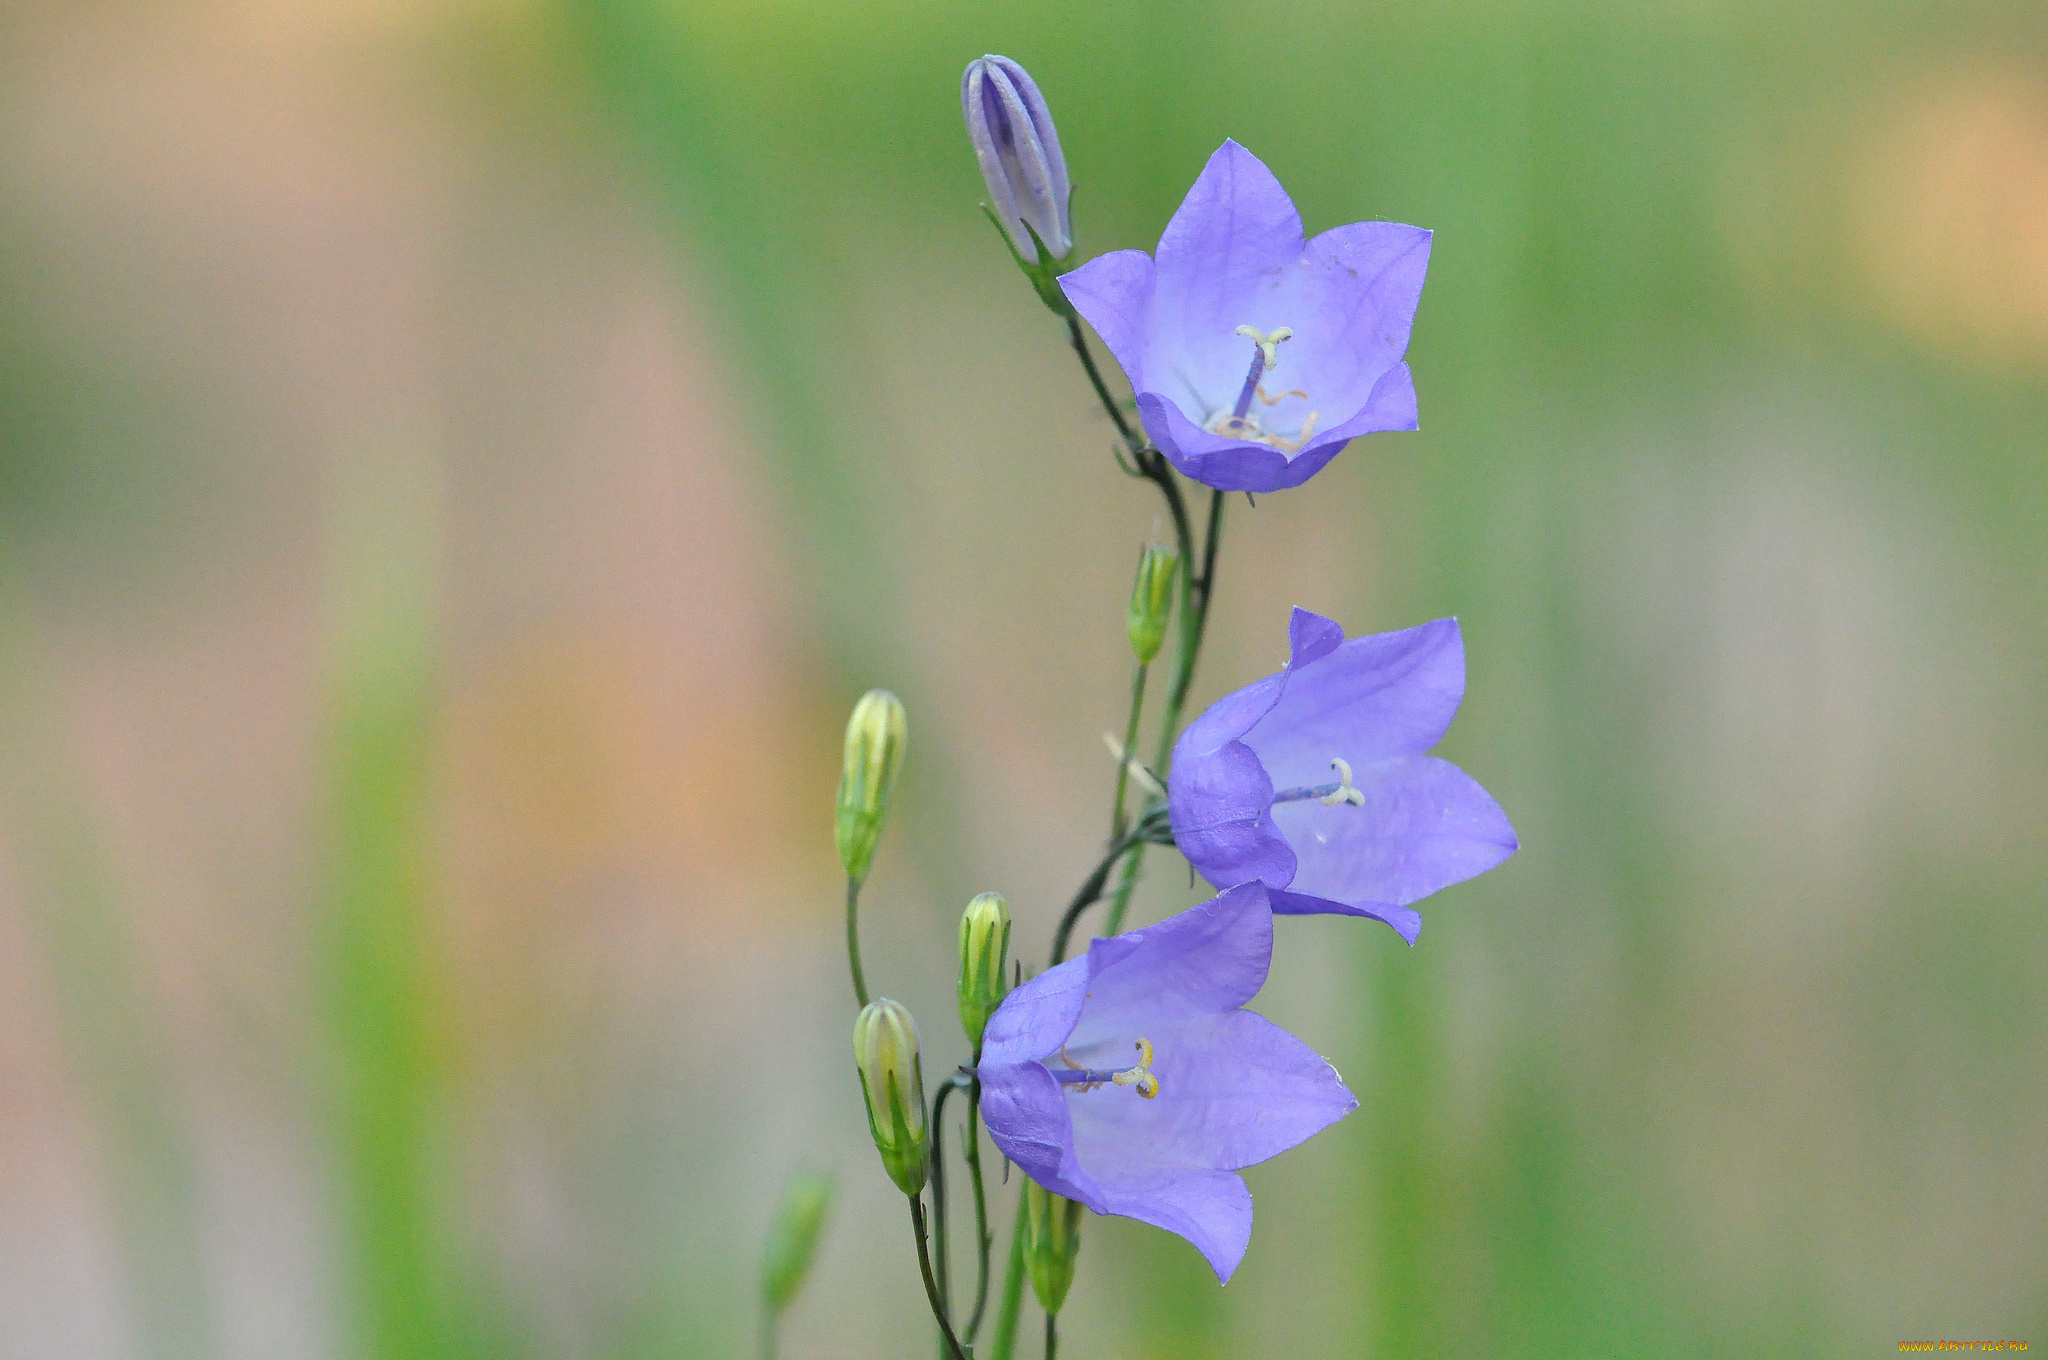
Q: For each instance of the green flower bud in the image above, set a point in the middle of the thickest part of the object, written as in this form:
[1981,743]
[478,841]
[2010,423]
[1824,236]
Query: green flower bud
[875,737]
[1152,601]
[984,949]
[892,1079]
[793,1237]
[1052,1239]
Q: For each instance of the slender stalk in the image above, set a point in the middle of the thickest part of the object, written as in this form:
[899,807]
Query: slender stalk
[983,1241]
[1114,923]
[768,1334]
[860,982]
[1194,620]
[1116,413]
[1089,894]
[941,1256]
[1011,1310]
[1052,1335]
[1123,767]
[931,1286]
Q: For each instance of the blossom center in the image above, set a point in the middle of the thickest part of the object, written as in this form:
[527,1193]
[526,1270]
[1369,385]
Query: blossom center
[1329,795]
[1241,423]
[1138,1075]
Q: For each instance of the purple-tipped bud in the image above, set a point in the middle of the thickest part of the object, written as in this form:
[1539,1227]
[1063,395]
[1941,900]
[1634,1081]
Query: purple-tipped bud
[1019,151]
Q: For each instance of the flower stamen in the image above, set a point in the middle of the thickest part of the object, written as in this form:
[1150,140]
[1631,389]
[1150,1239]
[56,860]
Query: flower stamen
[1241,423]
[1139,1076]
[1329,795]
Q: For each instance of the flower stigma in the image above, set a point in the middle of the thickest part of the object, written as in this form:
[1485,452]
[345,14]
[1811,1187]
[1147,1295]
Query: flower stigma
[1139,1076]
[1329,795]
[1241,423]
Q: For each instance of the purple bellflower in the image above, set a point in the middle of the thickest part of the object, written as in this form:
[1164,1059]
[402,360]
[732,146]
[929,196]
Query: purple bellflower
[1133,1080]
[1019,151]
[1257,355]
[1250,800]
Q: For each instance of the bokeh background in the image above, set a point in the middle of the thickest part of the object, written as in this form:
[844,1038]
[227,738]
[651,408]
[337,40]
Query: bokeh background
[459,459]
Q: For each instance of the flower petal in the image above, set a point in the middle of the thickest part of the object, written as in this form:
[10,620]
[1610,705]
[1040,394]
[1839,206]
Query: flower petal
[1218,804]
[1208,959]
[1113,293]
[1425,825]
[1212,1209]
[1036,1018]
[1391,694]
[1027,1116]
[1230,464]
[1234,1090]
[1219,260]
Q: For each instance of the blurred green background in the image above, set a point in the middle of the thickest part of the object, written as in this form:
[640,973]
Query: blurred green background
[458,462]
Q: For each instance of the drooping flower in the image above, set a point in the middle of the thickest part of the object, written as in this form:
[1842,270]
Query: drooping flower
[1133,1080]
[1257,355]
[1019,150]
[1251,797]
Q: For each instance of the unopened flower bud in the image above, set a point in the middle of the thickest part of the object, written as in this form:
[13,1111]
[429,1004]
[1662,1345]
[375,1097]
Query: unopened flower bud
[1152,600]
[984,950]
[793,1237]
[1052,1239]
[875,737]
[1019,151]
[892,1079]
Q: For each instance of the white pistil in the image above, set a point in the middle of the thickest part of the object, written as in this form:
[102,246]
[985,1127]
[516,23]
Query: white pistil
[1343,793]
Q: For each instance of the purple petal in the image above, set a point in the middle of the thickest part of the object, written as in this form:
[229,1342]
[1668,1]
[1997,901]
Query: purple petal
[1426,824]
[1234,1090]
[1027,1117]
[1358,307]
[1229,718]
[1310,638]
[1406,921]
[1112,293]
[1391,694]
[1229,464]
[1212,957]
[1036,1018]
[1218,259]
[1211,1209]
[1391,407]
[1218,804]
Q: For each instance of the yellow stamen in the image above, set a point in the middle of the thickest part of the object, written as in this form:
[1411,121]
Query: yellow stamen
[1140,1076]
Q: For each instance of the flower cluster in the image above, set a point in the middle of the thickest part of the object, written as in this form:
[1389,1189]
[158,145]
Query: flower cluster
[1132,1080]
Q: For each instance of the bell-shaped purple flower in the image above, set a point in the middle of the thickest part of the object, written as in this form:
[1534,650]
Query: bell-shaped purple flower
[1019,151]
[1256,355]
[1134,1081]
[1252,798]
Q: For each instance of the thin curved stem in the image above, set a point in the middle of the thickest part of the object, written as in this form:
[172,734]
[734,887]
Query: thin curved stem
[1194,620]
[1116,413]
[860,982]
[1089,894]
[983,1241]
[931,1286]
[941,1257]
[1114,923]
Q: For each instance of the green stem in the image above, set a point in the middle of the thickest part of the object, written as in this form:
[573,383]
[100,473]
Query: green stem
[1123,767]
[1052,1335]
[931,1286]
[1116,413]
[1011,1310]
[1197,591]
[860,982]
[941,1256]
[983,1241]
[767,1334]
[1114,925]
[1089,894]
